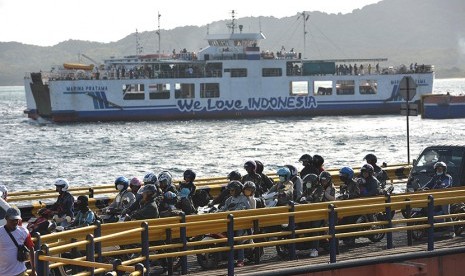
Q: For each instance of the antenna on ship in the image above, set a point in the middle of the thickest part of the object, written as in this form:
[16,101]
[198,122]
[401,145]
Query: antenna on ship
[139,48]
[305,18]
[232,25]
[159,38]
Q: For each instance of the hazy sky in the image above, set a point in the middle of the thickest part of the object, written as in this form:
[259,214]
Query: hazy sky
[48,22]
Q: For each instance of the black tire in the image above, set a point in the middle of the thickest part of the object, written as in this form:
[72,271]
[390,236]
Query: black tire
[209,260]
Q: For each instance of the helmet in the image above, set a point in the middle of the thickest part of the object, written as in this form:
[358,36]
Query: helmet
[150,188]
[284,172]
[346,172]
[306,158]
[370,158]
[311,179]
[234,175]
[135,182]
[189,174]
[324,175]
[121,180]
[293,170]
[250,165]
[63,183]
[250,185]
[165,179]
[3,191]
[150,178]
[259,166]
[367,168]
[84,201]
[440,164]
[318,160]
[235,186]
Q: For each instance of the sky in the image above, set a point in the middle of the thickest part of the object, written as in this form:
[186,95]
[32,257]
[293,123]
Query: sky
[48,22]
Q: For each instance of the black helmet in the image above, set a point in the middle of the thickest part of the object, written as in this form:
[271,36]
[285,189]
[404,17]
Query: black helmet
[234,175]
[367,168]
[293,170]
[324,175]
[189,174]
[259,166]
[318,160]
[311,179]
[370,158]
[440,164]
[149,188]
[235,186]
[306,158]
[250,165]
[250,185]
[84,201]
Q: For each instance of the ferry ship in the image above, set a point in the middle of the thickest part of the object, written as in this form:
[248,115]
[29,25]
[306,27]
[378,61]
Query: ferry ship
[232,77]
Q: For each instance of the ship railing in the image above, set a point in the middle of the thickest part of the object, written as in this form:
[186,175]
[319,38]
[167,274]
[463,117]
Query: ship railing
[181,236]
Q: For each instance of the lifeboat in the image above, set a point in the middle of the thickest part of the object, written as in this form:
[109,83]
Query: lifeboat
[78,66]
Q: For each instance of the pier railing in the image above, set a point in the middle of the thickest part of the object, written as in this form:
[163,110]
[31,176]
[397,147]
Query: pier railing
[130,246]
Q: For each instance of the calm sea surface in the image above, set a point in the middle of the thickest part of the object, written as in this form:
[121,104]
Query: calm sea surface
[33,155]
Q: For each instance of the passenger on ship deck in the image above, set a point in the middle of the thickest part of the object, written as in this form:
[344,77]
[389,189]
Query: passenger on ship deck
[186,191]
[318,162]
[295,178]
[169,197]
[64,206]
[123,199]
[441,180]
[309,167]
[378,172]
[349,188]
[224,194]
[148,208]
[149,178]
[267,181]
[328,186]
[369,185]
[284,187]
[85,216]
[252,175]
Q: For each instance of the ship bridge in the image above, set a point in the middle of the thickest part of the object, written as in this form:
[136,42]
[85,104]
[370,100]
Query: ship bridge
[232,46]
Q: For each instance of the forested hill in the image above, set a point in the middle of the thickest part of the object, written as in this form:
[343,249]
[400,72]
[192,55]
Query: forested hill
[404,31]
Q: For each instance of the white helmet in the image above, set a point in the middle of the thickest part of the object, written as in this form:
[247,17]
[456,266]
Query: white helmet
[3,191]
[63,183]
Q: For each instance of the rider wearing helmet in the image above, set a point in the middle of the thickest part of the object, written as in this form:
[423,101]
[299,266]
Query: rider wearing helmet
[249,191]
[224,194]
[328,186]
[378,172]
[169,192]
[313,191]
[318,162]
[124,198]
[237,201]
[252,175]
[369,185]
[349,188]
[309,167]
[186,191]
[267,181]
[64,206]
[84,216]
[441,180]
[284,187]
[135,185]
[147,208]
[295,178]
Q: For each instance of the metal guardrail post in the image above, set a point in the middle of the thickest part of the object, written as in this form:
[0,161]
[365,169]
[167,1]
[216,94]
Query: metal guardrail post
[144,238]
[231,245]
[408,214]
[42,268]
[169,240]
[91,192]
[256,229]
[74,254]
[388,211]
[183,234]
[98,245]
[292,253]
[37,246]
[431,223]
[90,249]
[332,218]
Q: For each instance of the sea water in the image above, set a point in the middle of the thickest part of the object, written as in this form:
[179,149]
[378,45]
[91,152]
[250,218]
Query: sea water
[34,154]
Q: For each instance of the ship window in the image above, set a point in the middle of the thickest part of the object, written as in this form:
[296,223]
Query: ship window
[272,72]
[184,90]
[299,88]
[159,91]
[368,87]
[209,90]
[133,91]
[323,88]
[238,73]
[345,87]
